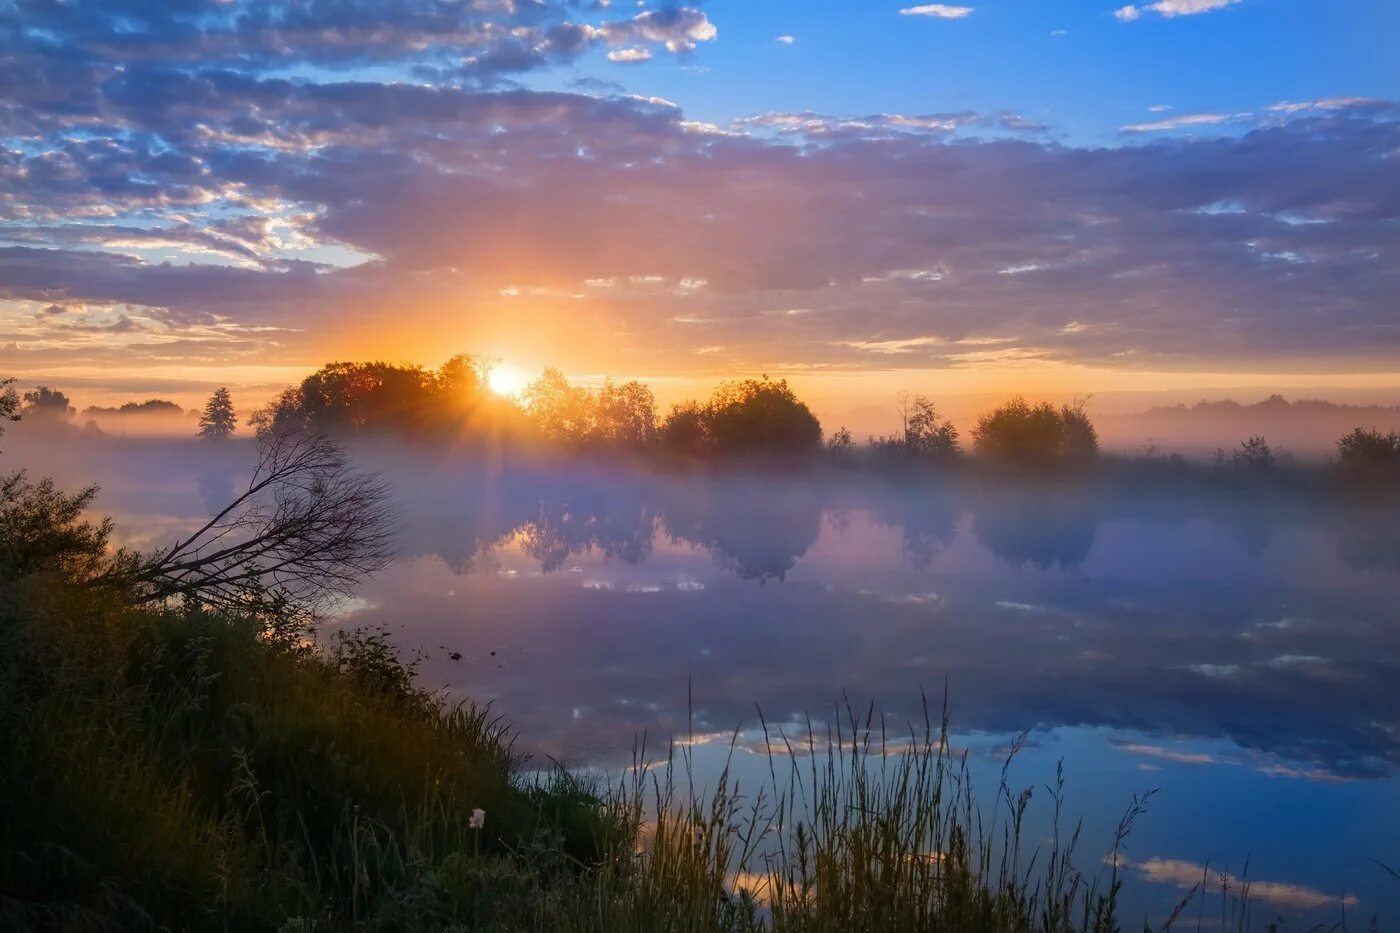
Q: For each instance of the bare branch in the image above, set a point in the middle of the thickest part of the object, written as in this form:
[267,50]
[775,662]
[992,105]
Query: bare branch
[307,527]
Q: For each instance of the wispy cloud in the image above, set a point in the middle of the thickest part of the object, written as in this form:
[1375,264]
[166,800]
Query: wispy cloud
[939,10]
[786,40]
[1184,121]
[1281,895]
[1169,8]
[1330,103]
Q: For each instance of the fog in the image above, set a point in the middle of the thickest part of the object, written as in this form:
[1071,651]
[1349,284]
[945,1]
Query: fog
[1211,640]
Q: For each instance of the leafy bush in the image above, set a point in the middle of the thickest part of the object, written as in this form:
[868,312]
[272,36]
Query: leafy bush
[1369,453]
[746,417]
[1036,436]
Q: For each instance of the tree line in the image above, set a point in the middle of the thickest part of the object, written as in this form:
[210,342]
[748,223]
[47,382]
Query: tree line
[746,418]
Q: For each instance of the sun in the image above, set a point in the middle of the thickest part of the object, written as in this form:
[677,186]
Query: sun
[506,380]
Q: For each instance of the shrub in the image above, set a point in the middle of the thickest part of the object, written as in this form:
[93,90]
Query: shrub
[1369,453]
[1036,436]
[750,416]
[1255,453]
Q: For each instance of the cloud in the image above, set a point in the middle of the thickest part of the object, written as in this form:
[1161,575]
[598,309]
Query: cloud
[1170,8]
[629,55]
[69,48]
[194,178]
[1331,103]
[815,125]
[939,10]
[1167,754]
[786,40]
[678,29]
[1276,894]
[1185,120]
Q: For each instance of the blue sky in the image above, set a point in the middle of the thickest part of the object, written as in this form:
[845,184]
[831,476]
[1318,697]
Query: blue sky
[998,196]
[1068,63]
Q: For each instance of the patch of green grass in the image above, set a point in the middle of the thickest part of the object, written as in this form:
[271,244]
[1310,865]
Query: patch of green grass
[183,769]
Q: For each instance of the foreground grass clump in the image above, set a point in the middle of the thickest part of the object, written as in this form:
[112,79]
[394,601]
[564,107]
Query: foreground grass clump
[198,771]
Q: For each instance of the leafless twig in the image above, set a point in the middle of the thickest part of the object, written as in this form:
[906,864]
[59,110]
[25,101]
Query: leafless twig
[307,527]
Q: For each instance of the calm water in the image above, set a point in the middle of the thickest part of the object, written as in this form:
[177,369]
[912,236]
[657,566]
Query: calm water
[1242,656]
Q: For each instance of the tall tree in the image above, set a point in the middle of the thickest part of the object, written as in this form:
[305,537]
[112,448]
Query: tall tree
[218,420]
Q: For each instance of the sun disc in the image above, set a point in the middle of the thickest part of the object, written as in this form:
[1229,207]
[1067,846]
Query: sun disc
[506,380]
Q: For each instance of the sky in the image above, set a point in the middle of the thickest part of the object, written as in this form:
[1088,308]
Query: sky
[1181,196]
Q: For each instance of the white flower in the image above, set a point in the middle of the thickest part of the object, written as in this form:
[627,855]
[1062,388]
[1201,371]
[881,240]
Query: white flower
[478,819]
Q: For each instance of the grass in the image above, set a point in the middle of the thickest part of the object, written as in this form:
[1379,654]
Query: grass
[193,771]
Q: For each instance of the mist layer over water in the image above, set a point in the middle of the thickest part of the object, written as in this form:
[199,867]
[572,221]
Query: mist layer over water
[1239,651]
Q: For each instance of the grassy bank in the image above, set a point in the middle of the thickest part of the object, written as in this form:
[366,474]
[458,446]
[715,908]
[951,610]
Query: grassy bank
[197,771]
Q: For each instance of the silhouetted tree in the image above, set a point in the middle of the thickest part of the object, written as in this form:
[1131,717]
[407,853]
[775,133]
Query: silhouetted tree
[1079,441]
[463,378]
[1369,453]
[841,447]
[47,404]
[1255,454]
[561,411]
[625,414]
[925,434]
[43,530]
[686,430]
[342,399]
[218,421]
[9,404]
[761,416]
[1027,435]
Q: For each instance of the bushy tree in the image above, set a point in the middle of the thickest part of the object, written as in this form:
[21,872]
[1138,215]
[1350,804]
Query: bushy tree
[625,414]
[1079,440]
[1369,452]
[925,433]
[362,398]
[218,420]
[47,404]
[686,431]
[761,416]
[1255,454]
[45,530]
[748,416]
[561,411]
[1026,435]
